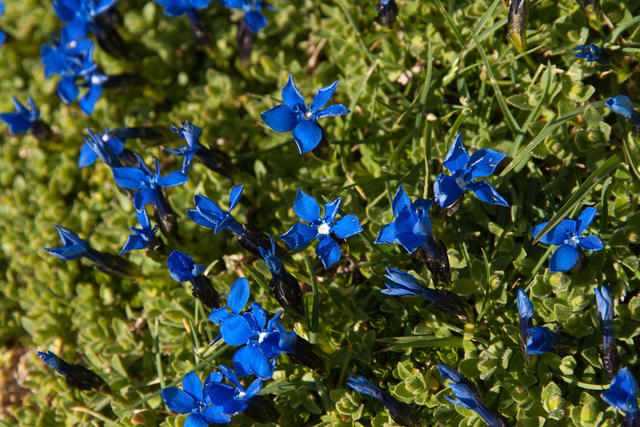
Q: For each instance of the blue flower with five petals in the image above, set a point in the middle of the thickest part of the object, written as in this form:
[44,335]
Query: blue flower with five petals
[294,115]
[321,228]
[195,401]
[191,133]
[23,119]
[73,246]
[464,169]
[567,235]
[140,238]
[208,214]
[623,395]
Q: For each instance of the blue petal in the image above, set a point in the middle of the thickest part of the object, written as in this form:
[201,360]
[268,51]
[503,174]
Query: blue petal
[258,314]
[217,315]
[445,190]
[196,420]
[235,330]
[291,96]
[328,251]
[306,207]
[88,101]
[361,385]
[536,229]
[228,373]
[331,210]
[251,360]
[133,243]
[387,234]
[623,392]
[200,219]
[280,118]
[255,21]
[540,340]
[144,197]
[323,96]
[87,155]
[67,253]
[457,157]
[192,385]
[215,414]
[621,105]
[253,389]
[238,295]
[129,178]
[177,400]
[487,193]
[75,30]
[307,135]
[484,162]
[180,266]
[591,243]
[400,201]
[333,111]
[561,232]
[298,236]
[16,122]
[64,12]
[346,226]
[173,179]
[563,258]
[199,4]
[207,207]
[604,303]
[525,308]
[234,196]
[67,90]
[585,219]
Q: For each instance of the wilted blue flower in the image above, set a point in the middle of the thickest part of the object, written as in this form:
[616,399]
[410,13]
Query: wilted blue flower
[467,397]
[178,7]
[232,398]
[610,357]
[525,313]
[73,246]
[321,228]
[76,375]
[623,395]
[591,53]
[294,115]
[387,12]
[208,214]
[23,119]
[284,286]
[622,106]
[464,169]
[105,146]
[193,400]
[400,412]
[404,284]
[3,36]
[148,184]
[567,236]
[540,340]
[140,238]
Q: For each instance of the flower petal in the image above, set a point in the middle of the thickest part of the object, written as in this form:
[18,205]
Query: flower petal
[177,400]
[133,243]
[387,234]
[306,207]
[200,219]
[400,201]
[67,90]
[173,179]
[255,21]
[487,193]
[563,258]
[560,233]
[457,157]
[280,118]
[207,207]
[238,295]
[144,197]
[180,266]
[88,101]
[346,226]
[217,315]
[253,389]
[307,135]
[328,251]
[87,155]
[299,236]
[191,384]
[234,196]
[484,162]
[445,190]
[235,330]
[591,243]
[196,420]
[333,111]
[323,96]
[585,219]
[291,96]
[129,178]
[16,122]
[331,210]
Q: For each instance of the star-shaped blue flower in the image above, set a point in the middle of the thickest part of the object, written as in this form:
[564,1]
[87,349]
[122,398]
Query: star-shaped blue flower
[148,184]
[178,7]
[193,400]
[105,146]
[254,20]
[191,133]
[623,395]
[140,238]
[73,246]
[81,12]
[321,228]
[23,119]
[622,106]
[567,235]
[464,169]
[294,115]
[208,214]
[591,53]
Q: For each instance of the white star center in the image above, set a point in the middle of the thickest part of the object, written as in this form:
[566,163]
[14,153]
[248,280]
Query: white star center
[324,229]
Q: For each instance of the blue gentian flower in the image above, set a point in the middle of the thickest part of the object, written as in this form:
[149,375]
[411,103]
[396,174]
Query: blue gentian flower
[76,375]
[464,169]
[404,284]
[540,340]
[3,36]
[610,357]
[321,228]
[191,133]
[567,236]
[178,7]
[148,184]
[140,238]
[73,246]
[105,146]
[193,400]
[232,398]
[591,53]
[622,106]
[81,12]
[623,395]
[284,286]
[400,412]
[525,313]
[23,119]
[208,214]
[183,269]
[467,397]
[387,12]
[253,19]
[294,115]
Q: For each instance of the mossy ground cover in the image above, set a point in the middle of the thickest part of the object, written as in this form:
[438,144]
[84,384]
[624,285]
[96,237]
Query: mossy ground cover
[444,68]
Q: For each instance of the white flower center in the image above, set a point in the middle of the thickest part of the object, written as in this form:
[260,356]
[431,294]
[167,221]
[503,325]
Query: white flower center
[324,229]
[105,137]
[460,182]
[308,115]
[241,395]
[572,241]
[262,336]
[73,44]
[95,80]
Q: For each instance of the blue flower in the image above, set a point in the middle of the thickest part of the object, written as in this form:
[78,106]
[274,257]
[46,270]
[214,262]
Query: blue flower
[3,36]
[622,106]
[193,400]
[591,53]
[148,184]
[387,12]
[178,7]
[404,284]
[253,19]
[540,340]
[76,375]
[182,268]
[23,119]
[140,238]
[81,12]
[321,228]
[232,398]
[73,246]
[400,412]
[525,313]
[294,115]
[191,133]
[464,169]
[610,357]
[105,146]
[284,287]
[208,214]
[567,235]
[467,397]
[623,395]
